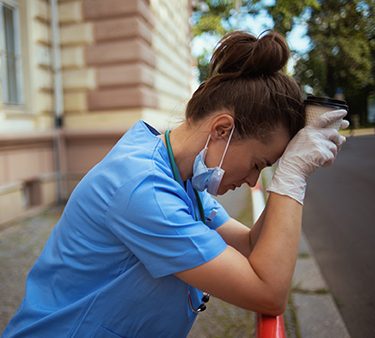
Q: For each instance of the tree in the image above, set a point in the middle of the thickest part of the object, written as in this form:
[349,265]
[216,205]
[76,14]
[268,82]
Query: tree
[342,53]
[212,18]
[215,18]
[286,13]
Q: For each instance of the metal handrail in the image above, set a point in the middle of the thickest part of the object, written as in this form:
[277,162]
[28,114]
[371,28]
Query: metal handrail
[270,326]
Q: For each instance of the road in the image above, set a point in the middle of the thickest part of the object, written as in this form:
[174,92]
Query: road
[339,223]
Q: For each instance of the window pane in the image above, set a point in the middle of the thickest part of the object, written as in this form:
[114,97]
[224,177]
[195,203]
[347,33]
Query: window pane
[9,29]
[10,56]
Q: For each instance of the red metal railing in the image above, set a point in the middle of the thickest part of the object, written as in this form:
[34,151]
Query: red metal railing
[270,327]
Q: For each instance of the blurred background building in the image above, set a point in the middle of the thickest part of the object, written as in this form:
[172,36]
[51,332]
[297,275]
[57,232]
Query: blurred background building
[75,75]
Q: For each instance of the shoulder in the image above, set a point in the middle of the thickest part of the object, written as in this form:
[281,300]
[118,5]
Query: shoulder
[135,159]
[153,189]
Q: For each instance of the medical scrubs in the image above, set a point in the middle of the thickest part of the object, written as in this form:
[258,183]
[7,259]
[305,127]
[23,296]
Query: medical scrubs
[108,268]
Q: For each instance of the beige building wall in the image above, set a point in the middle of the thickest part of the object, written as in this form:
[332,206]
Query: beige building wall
[121,61]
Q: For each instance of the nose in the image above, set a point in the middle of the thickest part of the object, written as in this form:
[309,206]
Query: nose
[252,179]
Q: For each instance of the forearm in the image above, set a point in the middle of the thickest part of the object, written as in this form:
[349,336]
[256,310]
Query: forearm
[256,229]
[277,235]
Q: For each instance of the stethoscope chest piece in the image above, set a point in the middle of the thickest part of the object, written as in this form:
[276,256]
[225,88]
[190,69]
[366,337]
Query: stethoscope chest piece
[205,298]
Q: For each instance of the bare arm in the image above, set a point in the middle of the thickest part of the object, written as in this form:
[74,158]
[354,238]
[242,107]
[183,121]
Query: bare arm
[259,282]
[237,235]
[240,236]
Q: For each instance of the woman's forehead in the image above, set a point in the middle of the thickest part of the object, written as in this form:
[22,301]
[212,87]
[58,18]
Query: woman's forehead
[269,151]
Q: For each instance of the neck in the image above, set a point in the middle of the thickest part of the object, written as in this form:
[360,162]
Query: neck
[186,143]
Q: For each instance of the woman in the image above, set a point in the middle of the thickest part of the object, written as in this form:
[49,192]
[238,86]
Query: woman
[140,238]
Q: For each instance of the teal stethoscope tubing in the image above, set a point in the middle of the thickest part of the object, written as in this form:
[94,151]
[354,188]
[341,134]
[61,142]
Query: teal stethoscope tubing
[177,177]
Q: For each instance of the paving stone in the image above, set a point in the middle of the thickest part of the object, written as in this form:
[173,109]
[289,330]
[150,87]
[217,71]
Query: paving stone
[20,245]
[307,276]
[318,316]
[223,320]
[304,247]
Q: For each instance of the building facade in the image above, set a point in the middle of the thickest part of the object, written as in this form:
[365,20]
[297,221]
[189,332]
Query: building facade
[75,75]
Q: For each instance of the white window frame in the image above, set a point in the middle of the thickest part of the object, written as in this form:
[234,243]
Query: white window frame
[13,5]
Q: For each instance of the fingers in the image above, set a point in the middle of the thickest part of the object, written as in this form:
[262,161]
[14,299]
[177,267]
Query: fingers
[328,153]
[344,124]
[331,145]
[328,118]
[334,136]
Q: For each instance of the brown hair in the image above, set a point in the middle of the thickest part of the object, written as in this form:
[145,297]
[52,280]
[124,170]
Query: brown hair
[245,78]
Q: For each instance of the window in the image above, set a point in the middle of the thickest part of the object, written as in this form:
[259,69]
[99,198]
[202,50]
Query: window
[10,58]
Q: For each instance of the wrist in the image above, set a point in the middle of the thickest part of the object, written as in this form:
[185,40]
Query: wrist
[289,184]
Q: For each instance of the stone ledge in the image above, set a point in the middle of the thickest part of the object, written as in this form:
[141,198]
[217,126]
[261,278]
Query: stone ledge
[70,12]
[22,138]
[126,97]
[79,79]
[122,28]
[99,9]
[318,317]
[120,52]
[81,33]
[127,74]
[307,276]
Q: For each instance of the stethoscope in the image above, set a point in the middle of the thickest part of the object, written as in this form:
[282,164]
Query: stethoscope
[177,177]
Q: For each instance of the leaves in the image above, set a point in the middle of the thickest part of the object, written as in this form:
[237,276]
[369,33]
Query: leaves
[342,54]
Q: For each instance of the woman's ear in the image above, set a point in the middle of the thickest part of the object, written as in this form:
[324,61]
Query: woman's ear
[222,126]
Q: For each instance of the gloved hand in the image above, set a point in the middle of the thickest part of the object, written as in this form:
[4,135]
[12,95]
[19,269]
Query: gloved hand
[313,146]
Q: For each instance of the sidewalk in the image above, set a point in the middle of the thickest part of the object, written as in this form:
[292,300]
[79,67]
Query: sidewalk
[20,245]
[312,311]
[358,132]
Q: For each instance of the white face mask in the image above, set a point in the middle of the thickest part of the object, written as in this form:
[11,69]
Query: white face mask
[208,178]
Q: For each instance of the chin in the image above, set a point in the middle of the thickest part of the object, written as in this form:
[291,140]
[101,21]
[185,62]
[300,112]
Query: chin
[222,191]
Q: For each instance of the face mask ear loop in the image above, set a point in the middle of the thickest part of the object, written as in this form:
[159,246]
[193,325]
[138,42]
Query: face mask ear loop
[208,140]
[226,147]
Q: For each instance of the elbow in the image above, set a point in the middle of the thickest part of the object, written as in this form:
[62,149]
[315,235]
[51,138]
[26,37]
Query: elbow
[275,310]
[274,303]
[277,305]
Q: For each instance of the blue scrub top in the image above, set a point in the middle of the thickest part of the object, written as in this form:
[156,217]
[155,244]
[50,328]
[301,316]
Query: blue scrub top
[108,268]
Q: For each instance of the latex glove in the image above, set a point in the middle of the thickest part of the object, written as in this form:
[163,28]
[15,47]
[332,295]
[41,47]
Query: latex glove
[312,147]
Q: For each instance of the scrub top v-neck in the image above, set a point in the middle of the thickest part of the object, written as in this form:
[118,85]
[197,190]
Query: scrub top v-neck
[108,268]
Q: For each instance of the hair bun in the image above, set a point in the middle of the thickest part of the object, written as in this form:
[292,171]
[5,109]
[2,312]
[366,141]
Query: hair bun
[242,54]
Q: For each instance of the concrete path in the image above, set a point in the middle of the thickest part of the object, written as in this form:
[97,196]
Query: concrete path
[20,245]
[313,312]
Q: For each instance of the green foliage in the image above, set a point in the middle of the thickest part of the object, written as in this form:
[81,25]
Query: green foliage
[211,17]
[285,12]
[342,54]
[203,66]
[218,17]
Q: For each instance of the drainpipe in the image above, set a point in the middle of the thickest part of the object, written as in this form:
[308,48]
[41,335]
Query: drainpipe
[59,145]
